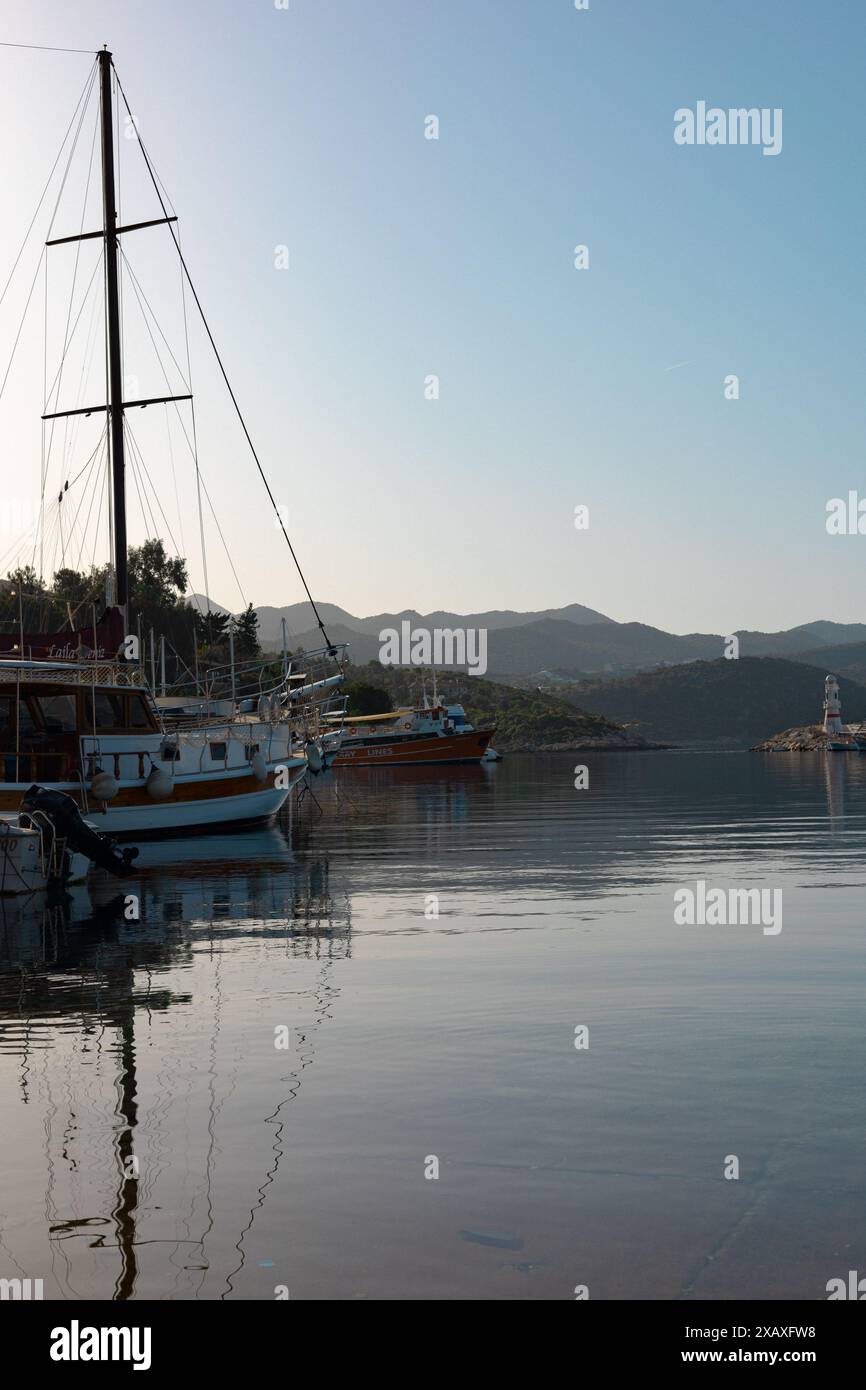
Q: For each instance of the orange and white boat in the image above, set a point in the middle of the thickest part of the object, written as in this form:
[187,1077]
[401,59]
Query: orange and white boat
[410,737]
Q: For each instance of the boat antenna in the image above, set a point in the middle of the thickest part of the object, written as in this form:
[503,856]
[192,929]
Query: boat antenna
[239,413]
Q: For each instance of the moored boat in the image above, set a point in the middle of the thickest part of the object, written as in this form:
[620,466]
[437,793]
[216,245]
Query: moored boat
[76,712]
[31,859]
[51,845]
[409,737]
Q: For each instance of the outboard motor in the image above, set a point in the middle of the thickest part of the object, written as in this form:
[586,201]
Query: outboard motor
[42,803]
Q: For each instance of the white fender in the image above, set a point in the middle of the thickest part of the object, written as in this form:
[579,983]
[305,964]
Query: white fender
[104,786]
[158,784]
[315,761]
[259,767]
[264,708]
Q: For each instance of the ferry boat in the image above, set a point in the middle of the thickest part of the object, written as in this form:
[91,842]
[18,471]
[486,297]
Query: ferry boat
[76,712]
[410,737]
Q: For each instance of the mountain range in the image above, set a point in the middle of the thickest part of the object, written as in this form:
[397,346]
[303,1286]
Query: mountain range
[569,643]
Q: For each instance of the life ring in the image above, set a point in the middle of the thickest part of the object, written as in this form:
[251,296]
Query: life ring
[407,724]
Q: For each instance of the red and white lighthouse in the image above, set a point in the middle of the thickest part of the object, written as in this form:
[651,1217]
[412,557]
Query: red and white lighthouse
[832,707]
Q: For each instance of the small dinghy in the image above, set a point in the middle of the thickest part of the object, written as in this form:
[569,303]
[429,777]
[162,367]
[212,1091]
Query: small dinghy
[51,844]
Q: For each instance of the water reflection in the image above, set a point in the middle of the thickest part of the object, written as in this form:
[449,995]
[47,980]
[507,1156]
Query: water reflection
[148,1145]
[92,960]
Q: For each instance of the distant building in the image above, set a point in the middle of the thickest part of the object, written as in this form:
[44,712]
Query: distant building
[832,707]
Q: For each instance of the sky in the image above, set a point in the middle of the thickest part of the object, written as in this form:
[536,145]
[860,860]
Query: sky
[304,128]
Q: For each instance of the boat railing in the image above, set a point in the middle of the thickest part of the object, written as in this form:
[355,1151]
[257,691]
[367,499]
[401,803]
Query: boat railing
[32,766]
[305,691]
[125,675]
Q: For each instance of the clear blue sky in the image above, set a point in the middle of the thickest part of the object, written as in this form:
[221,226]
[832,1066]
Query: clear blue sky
[305,127]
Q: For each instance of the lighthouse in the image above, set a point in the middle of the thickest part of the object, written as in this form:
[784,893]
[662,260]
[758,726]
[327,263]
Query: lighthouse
[832,707]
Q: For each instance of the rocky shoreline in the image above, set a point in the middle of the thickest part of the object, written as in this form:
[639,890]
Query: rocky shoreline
[602,743]
[808,738]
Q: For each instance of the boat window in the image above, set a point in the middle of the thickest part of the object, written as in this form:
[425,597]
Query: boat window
[57,712]
[109,710]
[7,714]
[139,717]
[218,752]
[26,722]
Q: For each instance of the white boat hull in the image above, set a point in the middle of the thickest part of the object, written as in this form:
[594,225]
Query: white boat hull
[23,866]
[168,818]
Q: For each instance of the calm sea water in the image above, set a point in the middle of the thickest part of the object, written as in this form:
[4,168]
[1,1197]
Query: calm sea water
[420,1041]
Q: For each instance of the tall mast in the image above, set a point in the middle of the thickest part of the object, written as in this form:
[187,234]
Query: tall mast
[112,316]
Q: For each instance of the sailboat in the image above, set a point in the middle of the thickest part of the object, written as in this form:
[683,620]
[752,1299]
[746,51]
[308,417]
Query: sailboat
[76,711]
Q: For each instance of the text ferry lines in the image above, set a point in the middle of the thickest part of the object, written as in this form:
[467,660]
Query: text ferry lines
[91,727]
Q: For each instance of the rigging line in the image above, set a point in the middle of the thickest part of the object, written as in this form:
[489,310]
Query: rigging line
[95,492]
[39,262]
[102,503]
[62,537]
[16,548]
[54,389]
[20,327]
[174,483]
[55,531]
[69,162]
[228,384]
[43,466]
[46,48]
[88,465]
[134,471]
[151,527]
[143,466]
[194,431]
[140,295]
[84,97]
[86,360]
[192,445]
[88,461]
[77,261]
[225,546]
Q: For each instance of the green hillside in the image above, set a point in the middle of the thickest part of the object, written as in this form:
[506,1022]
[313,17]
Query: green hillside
[524,719]
[731,703]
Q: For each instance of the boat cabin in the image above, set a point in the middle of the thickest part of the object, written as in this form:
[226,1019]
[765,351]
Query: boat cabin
[45,710]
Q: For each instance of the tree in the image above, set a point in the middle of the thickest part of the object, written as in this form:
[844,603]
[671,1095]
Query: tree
[366,699]
[25,580]
[77,588]
[211,629]
[246,629]
[156,580]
